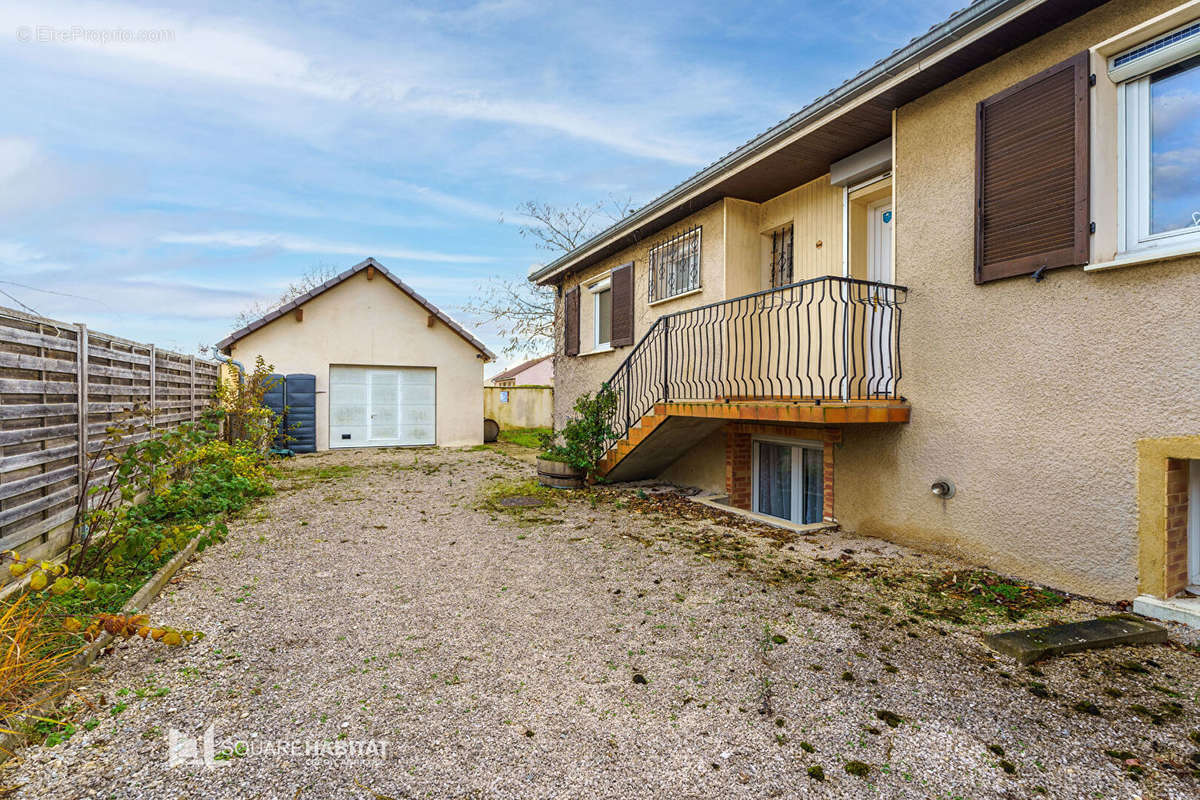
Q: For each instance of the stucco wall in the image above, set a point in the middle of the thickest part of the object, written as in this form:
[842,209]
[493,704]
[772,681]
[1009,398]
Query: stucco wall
[734,262]
[372,323]
[527,406]
[703,465]
[575,375]
[1029,396]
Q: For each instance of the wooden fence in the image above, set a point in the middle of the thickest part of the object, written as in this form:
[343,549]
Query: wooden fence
[61,388]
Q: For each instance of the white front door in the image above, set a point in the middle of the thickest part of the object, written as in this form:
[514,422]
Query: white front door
[880,375]
[382,406]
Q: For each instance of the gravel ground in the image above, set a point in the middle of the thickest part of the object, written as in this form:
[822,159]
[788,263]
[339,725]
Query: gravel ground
[609,644]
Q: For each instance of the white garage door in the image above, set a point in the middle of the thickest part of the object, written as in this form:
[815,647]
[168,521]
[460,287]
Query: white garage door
[378,406]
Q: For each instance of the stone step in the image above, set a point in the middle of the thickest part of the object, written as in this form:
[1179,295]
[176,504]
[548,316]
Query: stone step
[1032,644]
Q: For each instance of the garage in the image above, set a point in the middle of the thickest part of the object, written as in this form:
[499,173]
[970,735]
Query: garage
[382,406]
[372,363]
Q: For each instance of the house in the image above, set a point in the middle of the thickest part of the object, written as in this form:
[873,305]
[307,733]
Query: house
[535,372]
[950,303]
[391,368]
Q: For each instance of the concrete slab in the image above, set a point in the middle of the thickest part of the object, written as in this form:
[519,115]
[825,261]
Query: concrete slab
[722,502]
[1176,609]
[1027,646]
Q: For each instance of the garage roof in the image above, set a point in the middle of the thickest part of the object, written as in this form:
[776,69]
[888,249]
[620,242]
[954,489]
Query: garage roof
[224,344]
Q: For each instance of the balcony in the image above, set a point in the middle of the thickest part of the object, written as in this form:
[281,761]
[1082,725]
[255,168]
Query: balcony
[824,351]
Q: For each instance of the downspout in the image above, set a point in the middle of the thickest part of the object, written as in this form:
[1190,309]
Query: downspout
[240,368]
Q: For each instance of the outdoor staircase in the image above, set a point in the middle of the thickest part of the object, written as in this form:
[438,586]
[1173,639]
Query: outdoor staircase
[824,351]
[670,428]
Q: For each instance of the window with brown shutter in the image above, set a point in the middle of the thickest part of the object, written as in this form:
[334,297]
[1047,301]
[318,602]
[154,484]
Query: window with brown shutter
[571,322]
[622,305]
[1031,174]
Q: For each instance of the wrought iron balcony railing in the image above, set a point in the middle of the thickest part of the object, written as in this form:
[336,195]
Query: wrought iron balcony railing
[824,339]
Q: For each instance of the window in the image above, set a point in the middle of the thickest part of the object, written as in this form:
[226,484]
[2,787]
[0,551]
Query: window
[504,396]
[675,265]
[602,313]
[781,257]
[1158,127]
[788,480]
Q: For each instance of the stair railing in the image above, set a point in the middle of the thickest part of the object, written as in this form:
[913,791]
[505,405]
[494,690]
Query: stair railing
[823,339]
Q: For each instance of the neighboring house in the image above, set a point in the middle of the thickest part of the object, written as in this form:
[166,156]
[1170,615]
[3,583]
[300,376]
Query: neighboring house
[391,368]
[892,309]
[535,372]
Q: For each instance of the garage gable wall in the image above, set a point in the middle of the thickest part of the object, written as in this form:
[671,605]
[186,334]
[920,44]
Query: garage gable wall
[372,322]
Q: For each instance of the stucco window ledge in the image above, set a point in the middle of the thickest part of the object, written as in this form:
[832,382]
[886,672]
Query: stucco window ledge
[1150,255]
[680,296]
[597,351]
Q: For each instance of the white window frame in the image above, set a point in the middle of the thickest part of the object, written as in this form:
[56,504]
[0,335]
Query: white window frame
[797,473]
[1133,150]
[597,289]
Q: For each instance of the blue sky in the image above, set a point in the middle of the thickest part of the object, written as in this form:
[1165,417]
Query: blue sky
[153,189]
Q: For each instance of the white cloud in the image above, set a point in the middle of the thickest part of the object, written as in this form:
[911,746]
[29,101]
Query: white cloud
[303,244]
[16,155]
[425,81]
[225,52]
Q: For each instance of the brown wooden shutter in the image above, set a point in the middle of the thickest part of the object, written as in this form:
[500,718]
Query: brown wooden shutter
[622,305]
[1031,174]
[571,322]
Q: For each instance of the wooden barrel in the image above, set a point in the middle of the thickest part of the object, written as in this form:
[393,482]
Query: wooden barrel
[558,475]
[491,430]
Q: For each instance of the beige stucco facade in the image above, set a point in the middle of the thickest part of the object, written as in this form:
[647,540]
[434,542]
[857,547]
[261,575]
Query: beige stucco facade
[369,321]
[1034,398]
[1030,396]
[734,261]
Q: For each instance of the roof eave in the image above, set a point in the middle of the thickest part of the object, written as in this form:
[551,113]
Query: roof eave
[905,58]
[225,344]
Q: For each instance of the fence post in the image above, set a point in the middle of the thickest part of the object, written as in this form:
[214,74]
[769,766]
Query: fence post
[153,381]
[81,384]
[192,386]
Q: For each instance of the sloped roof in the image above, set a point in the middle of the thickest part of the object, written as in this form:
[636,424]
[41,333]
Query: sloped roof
[853,116]
[517,370]
[241,333]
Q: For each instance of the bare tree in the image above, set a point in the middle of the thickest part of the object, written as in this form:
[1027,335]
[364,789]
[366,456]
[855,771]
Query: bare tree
[313,277]
[521,311]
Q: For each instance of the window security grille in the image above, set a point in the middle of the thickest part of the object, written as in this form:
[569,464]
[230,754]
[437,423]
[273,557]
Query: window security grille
[781,257]
[675,265]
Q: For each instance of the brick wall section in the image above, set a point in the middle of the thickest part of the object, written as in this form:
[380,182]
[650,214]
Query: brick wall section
[827,482]
[738,461]
[1177,535]
[737,467]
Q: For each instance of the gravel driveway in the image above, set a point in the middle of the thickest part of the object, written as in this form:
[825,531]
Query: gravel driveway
[606,645]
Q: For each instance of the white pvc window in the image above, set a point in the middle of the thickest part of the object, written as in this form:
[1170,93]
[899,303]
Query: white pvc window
[601,314]
[787,479]
[1159,142]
